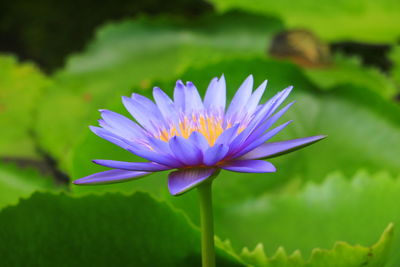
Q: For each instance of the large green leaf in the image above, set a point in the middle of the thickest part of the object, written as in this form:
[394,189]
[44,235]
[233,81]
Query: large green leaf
[395,58]
[339,209]
[102,230]
[367,21]
[341,255]
[16,183]
[349,70]
[21,85]
[134,53]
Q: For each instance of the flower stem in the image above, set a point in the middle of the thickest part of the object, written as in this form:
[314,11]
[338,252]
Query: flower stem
[207,225]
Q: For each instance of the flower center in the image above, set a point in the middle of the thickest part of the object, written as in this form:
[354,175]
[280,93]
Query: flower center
[210,126]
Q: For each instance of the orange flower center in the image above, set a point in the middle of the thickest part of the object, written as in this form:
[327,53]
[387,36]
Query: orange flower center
[211,127]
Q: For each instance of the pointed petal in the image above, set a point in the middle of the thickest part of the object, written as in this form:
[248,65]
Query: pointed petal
[215,98]
[227,136]
[185,151]
[179,96]
[270,150]
[182,181]
[144,111]
[107,135]
[250,145]
[161,158]
[159,146]
[161,150]
[252,133]
[110,176]
[199,141]
[121,125]
[165,105]
[132,166]
[215,154]
[256,166]
[241,97]
[193,101]
[255,98]
[262,113]
[267,124]
[269,108]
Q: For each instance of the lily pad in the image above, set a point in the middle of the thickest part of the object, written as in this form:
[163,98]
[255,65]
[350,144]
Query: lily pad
[21,85]
[102,230]
[349,70]
[353,210]
[395,58]
[332,20]
[17,183]
[341,255]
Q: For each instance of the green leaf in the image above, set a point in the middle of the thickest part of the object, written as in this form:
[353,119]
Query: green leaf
[349,70]
[395,58]
[341,255]
[17,183]
[353,20]
[133,53]
[102,230]
[339,209]
[21,85]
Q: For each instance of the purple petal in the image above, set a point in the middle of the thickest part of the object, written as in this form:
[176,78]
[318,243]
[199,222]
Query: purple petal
[198,140]
[107,135]
[227,136]
[165,105]
[261,115]
[160,146]
[250,145]
[270,150]
[179,96]
[252,104]
[257,166]
[144,111]
[110,176]
[185,151]
[121,125]
[215,98]
[268,108]
[161,158]
[132,166]
[193,102]
[182,181]
[215,154]
[266,125]
[241,97]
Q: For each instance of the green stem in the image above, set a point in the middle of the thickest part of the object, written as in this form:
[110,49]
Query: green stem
[207,225]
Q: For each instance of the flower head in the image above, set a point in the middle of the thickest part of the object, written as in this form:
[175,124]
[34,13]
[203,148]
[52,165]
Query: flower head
[196,138]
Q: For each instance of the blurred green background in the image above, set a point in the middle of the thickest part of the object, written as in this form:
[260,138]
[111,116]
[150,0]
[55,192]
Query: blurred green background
[327,205]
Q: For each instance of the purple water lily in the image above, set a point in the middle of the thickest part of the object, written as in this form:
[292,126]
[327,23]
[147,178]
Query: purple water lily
[196,138]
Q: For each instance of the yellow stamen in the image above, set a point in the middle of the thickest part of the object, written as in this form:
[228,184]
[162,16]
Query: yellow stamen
[211,127]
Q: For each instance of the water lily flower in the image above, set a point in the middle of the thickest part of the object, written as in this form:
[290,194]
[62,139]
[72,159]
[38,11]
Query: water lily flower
[196,138]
